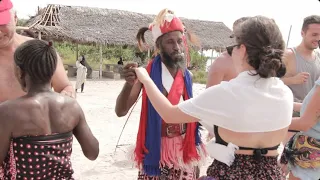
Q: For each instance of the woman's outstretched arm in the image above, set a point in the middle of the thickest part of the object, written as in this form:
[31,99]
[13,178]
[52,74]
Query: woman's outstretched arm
[169,113]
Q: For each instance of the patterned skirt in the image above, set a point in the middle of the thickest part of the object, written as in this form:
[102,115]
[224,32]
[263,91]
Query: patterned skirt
[171,174]
[39,157]
[247,168]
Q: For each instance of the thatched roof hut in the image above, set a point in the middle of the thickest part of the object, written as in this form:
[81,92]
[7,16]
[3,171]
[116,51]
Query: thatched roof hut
[84,25]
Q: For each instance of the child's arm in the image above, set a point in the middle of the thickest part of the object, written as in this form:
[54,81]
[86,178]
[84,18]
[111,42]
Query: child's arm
[89,144]
[5,132]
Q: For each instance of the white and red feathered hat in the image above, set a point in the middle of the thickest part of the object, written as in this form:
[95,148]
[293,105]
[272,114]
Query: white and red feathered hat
[164,23]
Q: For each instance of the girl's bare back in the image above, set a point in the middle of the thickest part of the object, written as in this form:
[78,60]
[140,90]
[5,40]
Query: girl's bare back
[48,113]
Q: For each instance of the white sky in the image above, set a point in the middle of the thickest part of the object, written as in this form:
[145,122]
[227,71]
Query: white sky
[285,12]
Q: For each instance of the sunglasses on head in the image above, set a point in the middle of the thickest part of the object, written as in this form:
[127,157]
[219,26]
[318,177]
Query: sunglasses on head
[230,49]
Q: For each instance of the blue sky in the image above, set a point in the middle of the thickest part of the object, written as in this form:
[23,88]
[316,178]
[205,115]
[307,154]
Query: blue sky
[285,12]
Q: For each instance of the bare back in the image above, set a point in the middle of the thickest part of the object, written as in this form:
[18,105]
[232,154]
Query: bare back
[9,86]
[45,113]
[255,140]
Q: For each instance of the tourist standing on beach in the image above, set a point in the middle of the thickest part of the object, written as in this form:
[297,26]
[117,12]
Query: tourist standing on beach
[163,150]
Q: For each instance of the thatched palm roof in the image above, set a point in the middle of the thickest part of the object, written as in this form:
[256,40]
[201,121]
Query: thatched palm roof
[84,25]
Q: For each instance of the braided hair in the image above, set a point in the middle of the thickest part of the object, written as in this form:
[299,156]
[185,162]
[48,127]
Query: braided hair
[38,59]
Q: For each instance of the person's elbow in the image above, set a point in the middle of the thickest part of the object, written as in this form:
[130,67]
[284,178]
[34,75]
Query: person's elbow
[306,126]
[67,87]
[92,153]
[120,111]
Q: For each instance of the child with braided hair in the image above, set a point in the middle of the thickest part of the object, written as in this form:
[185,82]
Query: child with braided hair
[36,130]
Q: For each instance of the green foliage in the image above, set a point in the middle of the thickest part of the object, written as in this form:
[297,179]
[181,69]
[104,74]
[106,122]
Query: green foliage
[198,66]
[197,61]
[126,53]
[112,54]
[22,22]
[199,76]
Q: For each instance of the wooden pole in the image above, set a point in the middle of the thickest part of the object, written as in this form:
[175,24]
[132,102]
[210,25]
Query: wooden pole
[289,36]
[39,35]
[211,56]
[201,56]
[100,73]
[77,53]
[22,28]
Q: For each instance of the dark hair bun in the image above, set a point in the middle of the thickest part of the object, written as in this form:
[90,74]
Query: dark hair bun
[271,64]
[264,46]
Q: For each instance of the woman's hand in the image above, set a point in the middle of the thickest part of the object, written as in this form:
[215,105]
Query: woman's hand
[142,75]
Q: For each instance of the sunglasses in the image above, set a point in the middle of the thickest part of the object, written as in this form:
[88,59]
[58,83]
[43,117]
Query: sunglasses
[230,49]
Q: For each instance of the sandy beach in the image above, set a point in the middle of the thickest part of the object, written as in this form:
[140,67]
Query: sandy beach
[98,102]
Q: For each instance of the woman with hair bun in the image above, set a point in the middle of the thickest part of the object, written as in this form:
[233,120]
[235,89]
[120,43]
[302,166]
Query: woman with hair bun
[249,115]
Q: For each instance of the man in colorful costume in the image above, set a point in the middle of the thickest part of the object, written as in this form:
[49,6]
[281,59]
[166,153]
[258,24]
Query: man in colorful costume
[163,151]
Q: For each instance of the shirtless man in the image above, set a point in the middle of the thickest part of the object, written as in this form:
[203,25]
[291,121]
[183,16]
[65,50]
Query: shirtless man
[222,68]
[9,41]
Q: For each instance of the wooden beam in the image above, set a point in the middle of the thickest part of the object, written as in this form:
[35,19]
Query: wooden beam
[48,15]
[211,55]
[100,73]
[22,28]
[51,17]
[39,35]
[77,49]
[57,15]
[44,14]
